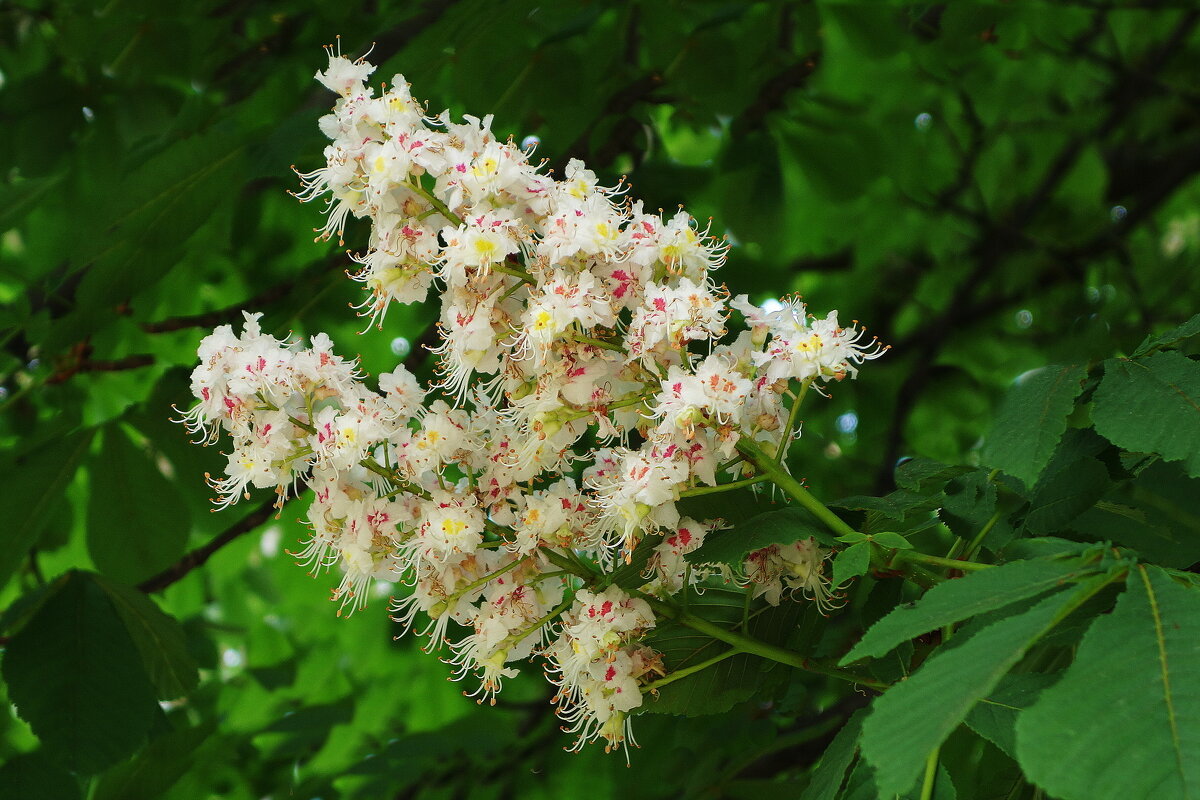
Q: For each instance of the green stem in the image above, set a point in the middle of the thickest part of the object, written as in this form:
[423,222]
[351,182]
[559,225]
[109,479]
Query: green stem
[983,532]
[724,487]
[785,440]
[564,563]
[930,774]
[514,638]
[616,348]
[684,672]
[476,584]
[757,647]
[587,412]
[792,487]
[304,426]
[521,274]
[435,202]
[938,561]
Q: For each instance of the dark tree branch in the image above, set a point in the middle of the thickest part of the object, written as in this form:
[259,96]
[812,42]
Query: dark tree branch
[199,556]
[999,240]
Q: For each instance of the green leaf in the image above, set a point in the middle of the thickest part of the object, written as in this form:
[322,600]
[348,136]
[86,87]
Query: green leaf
[159,639]
[1154,514]
[827,778]
[1138,671]
[892,540]
[895,505]
[76,677]
[36,484]
[1032,419]
[1152,405]
[153,771]
[925,475]
[959,599]
[137,519]
[995,717]
[1173,336]
[851,562]
[1065,494]
[34,775]
[917,715]
[784,526]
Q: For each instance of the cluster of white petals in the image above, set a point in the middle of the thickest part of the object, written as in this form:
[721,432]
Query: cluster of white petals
[588,381]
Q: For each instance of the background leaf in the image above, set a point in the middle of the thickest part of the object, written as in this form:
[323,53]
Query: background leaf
[137,519]
[76,677]
[1031,420]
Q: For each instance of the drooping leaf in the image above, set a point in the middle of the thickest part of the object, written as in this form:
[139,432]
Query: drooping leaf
[1032,419]
[959,599]
[896,741]
[36,483]
[137,519]
[159,639]
[830,772]
[784,526]
[76,677]
[1152,405]
[1124,721]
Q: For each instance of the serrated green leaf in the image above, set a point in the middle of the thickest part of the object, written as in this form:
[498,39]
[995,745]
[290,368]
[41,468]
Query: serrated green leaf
[959,599]
[851,562]
[923,475]
[159,639]
[784,526]
[35,486]
[75,676]
[1065,494]
[1152,405]
[1173,336]
[1032,419]
[896,741]
[895,505]
[1138,671]
[830,772]
[137,519]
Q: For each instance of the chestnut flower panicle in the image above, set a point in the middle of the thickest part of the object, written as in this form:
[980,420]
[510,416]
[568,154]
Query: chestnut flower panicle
[564,308]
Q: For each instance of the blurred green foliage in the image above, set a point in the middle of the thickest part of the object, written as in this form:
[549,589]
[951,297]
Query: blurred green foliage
[990,187]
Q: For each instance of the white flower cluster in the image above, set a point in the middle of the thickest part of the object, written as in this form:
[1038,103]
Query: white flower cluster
[591,385]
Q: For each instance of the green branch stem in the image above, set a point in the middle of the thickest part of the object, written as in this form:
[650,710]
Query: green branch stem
[786,440]
[441,207]
[723,487]
[757,647]
[938,561]
[692,670]
[792,487]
